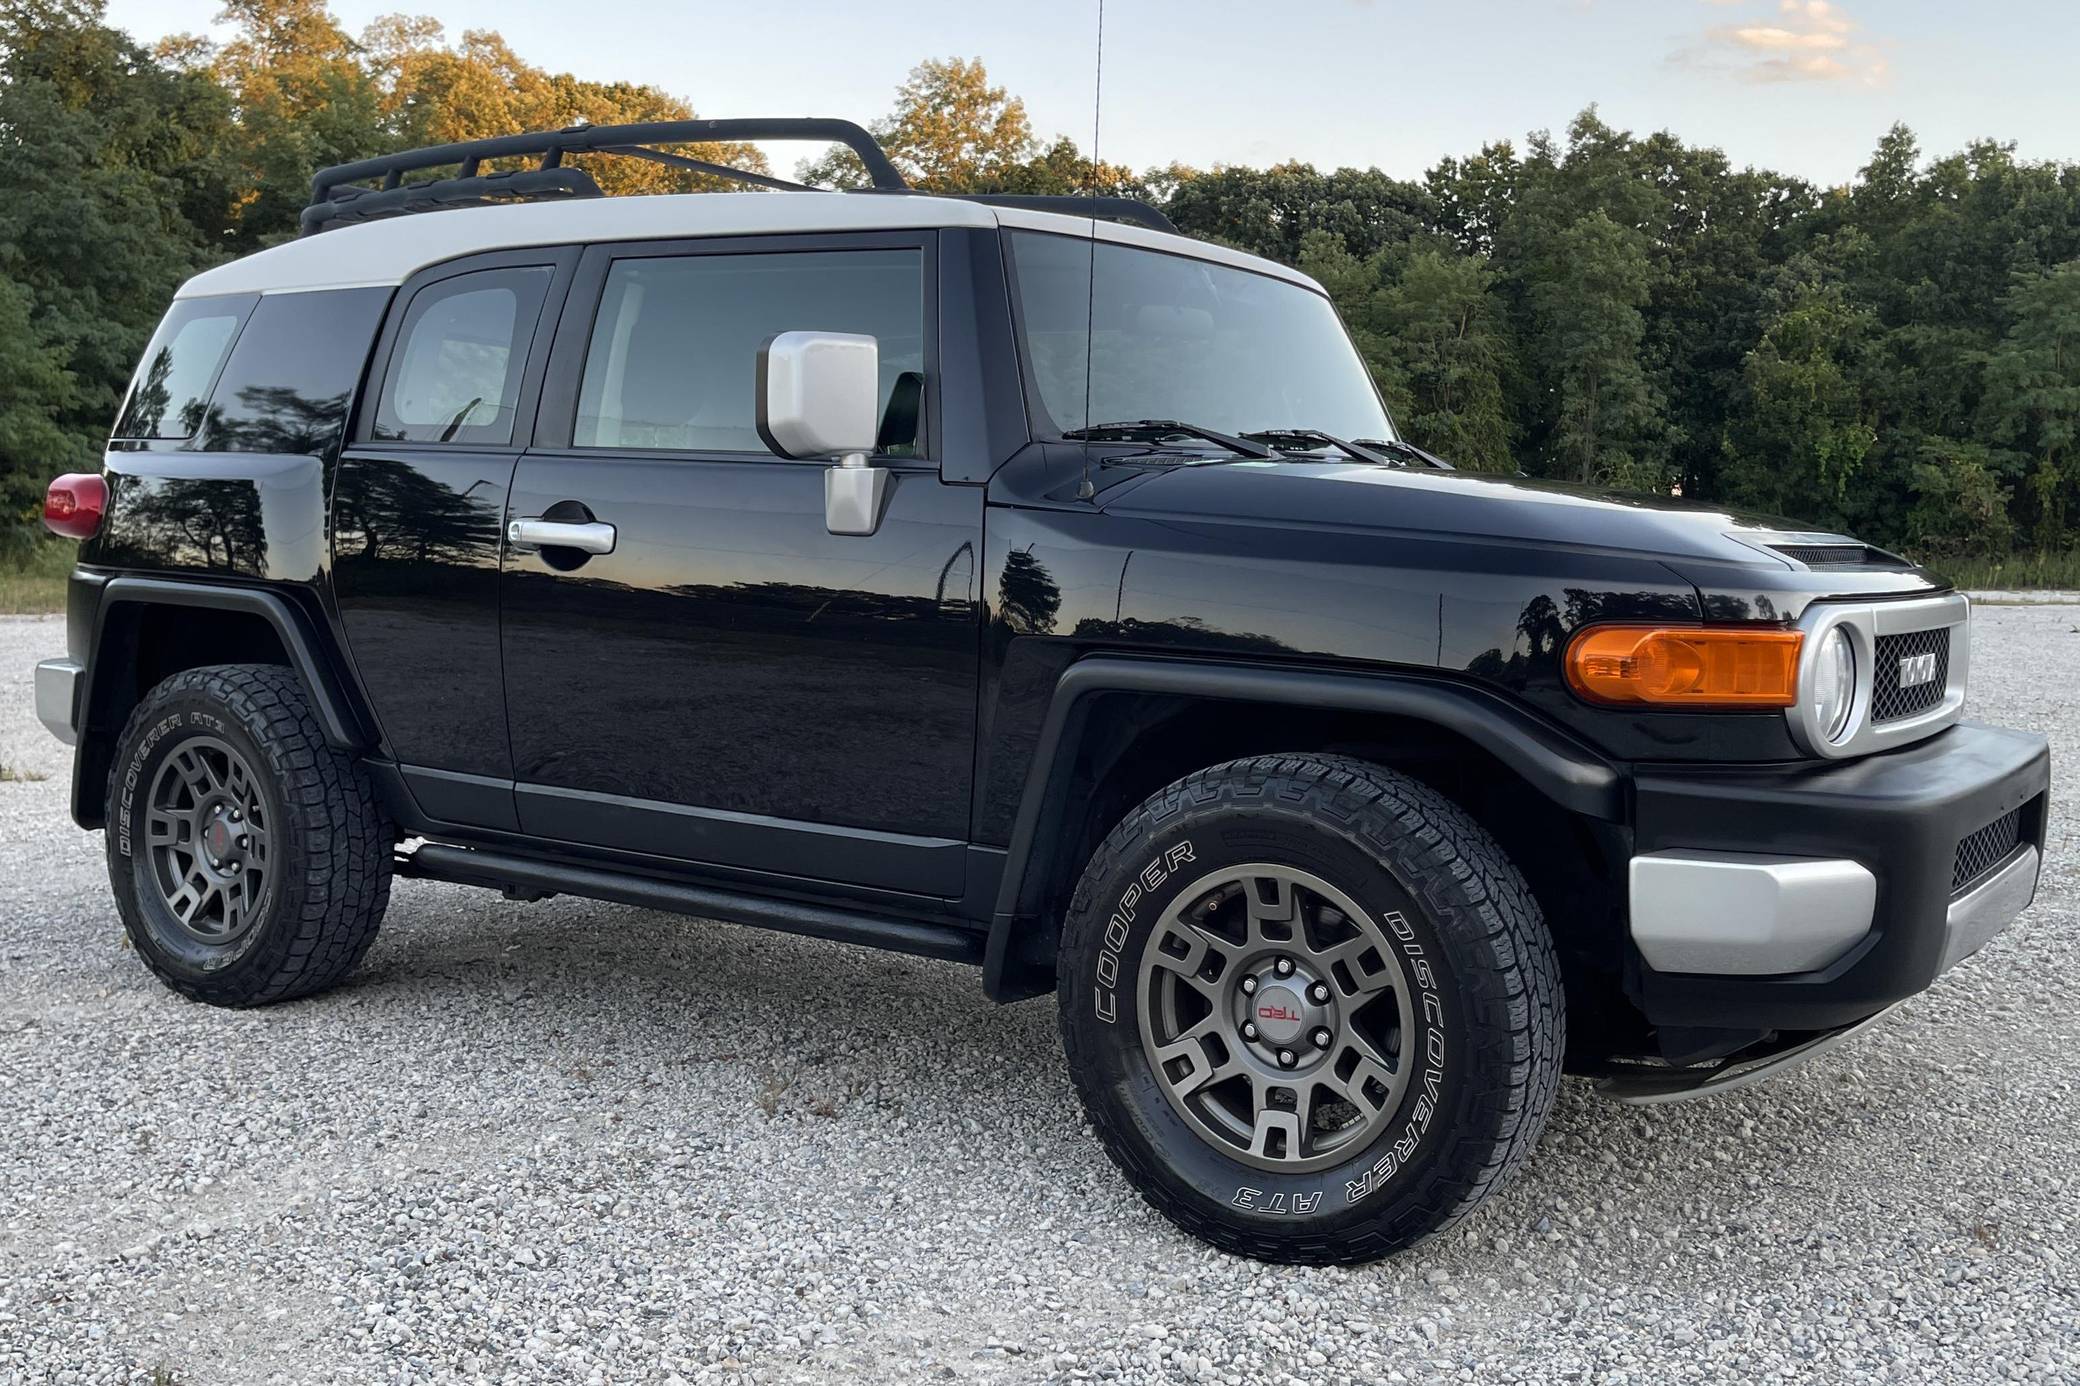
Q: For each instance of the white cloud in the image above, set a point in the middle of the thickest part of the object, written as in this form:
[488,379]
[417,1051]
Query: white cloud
[1767,36]
[1804,41]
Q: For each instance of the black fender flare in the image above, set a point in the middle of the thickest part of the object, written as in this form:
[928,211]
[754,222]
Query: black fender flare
[1555,763]
[344,726]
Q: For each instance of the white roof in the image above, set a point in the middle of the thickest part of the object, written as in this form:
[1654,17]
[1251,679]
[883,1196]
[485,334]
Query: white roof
[387,252]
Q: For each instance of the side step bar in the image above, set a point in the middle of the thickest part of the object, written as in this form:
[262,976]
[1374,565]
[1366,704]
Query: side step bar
[526,875]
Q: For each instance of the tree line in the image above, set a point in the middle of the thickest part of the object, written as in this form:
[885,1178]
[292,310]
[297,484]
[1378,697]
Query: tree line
[1899,357]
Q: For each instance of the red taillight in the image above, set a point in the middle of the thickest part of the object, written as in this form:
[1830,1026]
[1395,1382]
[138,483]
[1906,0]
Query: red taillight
[74,505]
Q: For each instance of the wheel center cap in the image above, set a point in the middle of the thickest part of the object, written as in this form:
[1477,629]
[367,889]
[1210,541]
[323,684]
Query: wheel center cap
[1283,1013]
[216,838]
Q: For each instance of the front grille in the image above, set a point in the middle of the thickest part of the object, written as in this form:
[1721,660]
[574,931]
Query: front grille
[1890,702]
[1985,849]
[1839,556]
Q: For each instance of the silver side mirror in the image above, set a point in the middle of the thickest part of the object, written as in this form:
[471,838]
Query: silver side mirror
[819,396]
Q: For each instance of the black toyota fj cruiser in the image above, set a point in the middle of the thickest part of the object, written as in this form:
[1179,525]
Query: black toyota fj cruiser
[1014,581]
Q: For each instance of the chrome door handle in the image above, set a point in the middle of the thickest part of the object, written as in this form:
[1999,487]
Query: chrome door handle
[595,536]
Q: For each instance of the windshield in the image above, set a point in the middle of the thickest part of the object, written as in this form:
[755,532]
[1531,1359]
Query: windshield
[1178,338]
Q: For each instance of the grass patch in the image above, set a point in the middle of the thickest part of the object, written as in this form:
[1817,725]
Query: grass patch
[11,773]
[32,576]
[2016,572]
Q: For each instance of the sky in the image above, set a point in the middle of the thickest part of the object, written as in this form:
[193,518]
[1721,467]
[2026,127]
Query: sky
[1802,86]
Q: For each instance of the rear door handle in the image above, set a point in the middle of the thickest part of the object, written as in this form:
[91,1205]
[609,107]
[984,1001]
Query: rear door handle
[592,536]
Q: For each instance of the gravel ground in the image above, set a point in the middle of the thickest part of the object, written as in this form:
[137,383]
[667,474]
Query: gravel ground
[578,1142]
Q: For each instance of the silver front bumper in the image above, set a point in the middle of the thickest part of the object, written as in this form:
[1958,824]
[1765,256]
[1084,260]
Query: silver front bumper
[1742,914]
[1990,906]
[57,697]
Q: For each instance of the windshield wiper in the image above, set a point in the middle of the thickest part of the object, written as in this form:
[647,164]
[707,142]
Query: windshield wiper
[1394,447]
[448,433]
[1156,430]
[1309,438]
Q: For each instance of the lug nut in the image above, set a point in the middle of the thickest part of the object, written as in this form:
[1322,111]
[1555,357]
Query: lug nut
[234,815]
[1284,967]
[1286,1059]
[1249,1029]
[244,842]
[1317,993]
[1323,1039]
[1249,986]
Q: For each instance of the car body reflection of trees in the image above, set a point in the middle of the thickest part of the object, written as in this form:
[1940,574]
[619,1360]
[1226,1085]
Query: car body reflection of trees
[187,522]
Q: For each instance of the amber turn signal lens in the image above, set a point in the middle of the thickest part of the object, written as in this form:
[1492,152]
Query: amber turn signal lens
[1676,666]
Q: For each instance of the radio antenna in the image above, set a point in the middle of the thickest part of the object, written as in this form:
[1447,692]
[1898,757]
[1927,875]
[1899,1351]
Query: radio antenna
[1085,491]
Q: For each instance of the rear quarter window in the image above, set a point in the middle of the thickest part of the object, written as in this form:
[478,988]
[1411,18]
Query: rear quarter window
[291,378]
[170,392]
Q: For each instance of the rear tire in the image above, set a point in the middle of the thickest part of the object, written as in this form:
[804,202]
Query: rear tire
[250,860]
[1312,1010]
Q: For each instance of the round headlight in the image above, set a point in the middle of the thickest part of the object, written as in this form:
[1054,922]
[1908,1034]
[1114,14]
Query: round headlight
[1834,685]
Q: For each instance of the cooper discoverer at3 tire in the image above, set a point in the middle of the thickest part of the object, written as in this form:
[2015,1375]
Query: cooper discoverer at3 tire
[1312,1010]
[250,860]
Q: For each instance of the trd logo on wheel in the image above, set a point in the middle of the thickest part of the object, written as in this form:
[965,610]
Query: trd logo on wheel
[1277,1013]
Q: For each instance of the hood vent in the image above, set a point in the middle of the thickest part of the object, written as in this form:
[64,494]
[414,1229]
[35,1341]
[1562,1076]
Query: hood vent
[1844,555]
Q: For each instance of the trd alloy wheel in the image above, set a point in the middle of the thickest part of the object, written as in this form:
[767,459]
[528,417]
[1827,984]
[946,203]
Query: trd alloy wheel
[206,840]
[1276,1017]
[1312,1010]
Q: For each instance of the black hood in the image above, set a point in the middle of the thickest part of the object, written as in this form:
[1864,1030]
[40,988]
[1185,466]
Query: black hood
[1351,495]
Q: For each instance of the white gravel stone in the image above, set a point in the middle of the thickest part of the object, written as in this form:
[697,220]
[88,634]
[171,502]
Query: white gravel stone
[737,1156]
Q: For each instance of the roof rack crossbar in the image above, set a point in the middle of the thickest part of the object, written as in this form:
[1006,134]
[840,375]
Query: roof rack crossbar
[741,175]
[1124,209]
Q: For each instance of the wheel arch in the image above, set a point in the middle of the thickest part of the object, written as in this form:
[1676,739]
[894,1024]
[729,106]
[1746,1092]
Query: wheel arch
[146,630]
[1119,727]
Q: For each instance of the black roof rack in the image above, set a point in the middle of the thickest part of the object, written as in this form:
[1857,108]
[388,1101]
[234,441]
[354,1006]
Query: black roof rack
[335,199]
[337,196]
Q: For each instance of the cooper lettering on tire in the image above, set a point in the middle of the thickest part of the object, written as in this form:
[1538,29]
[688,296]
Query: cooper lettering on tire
[1325,1027]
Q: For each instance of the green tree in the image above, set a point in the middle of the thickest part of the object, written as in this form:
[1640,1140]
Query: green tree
[2033,392]
[1807,427]
[1061,168]
[432,93]
[1271,211]
[36,392]
[950,131]
[113,200]
[1473,196]
[1590,284]
[1960,508]
[1442,328]
[1432,332]
[302,97]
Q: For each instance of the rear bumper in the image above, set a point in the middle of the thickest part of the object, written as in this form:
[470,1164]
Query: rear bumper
[1811,898]
[57,697]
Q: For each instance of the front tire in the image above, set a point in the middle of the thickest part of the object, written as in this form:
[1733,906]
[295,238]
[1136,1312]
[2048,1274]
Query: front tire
[1312,1010]
[250,860]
